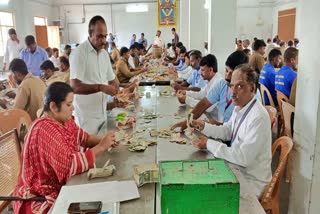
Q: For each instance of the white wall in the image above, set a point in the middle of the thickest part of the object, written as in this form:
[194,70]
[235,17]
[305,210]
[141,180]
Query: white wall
[24,11]
[119,22]
[248,12]
[247,19]
[305,185]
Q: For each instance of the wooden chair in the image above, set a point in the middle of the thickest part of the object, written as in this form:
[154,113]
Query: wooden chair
[281,96]
[15,119]
[272,111]
[10,162]
[270,197]
[264,91]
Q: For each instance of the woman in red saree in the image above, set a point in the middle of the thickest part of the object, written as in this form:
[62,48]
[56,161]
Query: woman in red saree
[52,151]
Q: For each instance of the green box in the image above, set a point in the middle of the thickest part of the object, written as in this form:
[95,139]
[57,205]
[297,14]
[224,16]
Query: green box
[198,187]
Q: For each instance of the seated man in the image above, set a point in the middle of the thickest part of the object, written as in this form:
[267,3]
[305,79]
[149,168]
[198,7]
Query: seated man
[30,91]
[247,133]
[181,63]
[195,82]
[220,94]
[122,69]
[209,69]
[268,73]
[65,69]
[183,74]
[115,54]
[49,73]
[133,58]
[286,75]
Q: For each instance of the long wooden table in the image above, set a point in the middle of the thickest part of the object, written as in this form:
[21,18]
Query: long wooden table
[169,111]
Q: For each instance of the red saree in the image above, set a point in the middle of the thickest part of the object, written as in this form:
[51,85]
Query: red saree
[50,156]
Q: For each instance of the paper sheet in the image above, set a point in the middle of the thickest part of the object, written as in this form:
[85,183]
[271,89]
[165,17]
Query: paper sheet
[107,192]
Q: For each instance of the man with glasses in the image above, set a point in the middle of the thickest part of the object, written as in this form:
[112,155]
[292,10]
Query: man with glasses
[92,79]
[245,139]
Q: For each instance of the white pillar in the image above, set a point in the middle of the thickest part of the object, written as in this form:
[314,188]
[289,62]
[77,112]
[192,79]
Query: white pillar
[196,26]
[184,23]
[305,184]
[222,29]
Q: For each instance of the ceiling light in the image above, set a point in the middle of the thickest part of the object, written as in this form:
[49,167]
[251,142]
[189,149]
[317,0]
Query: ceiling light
[137,8]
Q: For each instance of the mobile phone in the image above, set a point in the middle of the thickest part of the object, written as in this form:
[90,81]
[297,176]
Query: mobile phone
[85,207]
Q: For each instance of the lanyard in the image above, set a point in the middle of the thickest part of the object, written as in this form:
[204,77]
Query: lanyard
[227,101]
[233,136]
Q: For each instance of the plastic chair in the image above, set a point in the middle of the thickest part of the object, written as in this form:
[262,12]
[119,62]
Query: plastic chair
[270,197]
[264,90]
[15,119]
[10,163]
[288,116]
[281,96]
[272,111]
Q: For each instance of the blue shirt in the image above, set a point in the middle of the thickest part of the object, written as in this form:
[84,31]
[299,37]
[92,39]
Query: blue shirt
[284,80]
[267,78]
[181,65]
[34,60]
[221,93]
[196,80]
[141,40]
[132,41]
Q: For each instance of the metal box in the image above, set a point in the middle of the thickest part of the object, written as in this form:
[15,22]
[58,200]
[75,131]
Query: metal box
[198,187]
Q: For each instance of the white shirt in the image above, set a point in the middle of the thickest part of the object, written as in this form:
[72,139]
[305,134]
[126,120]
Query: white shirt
[90,67]
[193,97]
[171,53]
[186,73]
[55,61]
[251,148]
[12,51]
[131,62]
[159,42]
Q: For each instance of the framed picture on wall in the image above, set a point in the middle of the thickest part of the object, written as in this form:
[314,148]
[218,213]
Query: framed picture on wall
[167,12]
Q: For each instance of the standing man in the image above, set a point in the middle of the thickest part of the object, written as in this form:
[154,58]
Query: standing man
[175,39]
[133,39]
[143,41]
[158,40]
[67,51]
[13,48]
[92,79]
[33,55]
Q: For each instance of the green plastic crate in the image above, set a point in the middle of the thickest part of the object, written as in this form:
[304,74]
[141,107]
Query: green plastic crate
[198,187]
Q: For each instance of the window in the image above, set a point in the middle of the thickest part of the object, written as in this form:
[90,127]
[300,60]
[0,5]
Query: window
[42,21]
[6,22]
